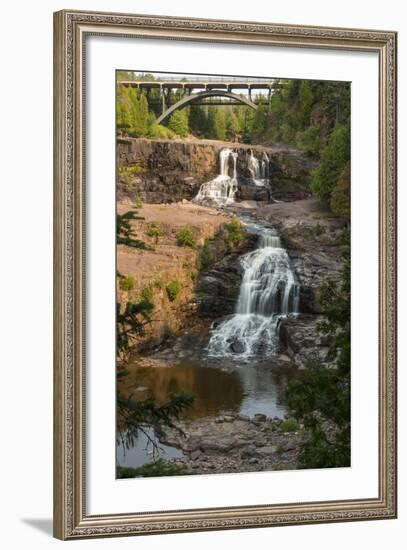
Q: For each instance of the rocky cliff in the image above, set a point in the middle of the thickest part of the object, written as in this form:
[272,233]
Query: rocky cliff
[165,171]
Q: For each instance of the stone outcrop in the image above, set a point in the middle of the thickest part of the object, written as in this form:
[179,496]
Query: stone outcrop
[236,443]
[218,285]
[165,171]
[302,341]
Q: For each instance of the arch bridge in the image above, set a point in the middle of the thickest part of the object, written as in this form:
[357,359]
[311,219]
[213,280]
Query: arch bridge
[197,91]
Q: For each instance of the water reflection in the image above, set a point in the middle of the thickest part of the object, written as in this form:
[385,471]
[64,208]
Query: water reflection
[142,451]
[218,387]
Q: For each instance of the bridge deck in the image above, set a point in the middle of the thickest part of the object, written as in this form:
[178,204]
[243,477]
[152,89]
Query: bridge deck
[201,85]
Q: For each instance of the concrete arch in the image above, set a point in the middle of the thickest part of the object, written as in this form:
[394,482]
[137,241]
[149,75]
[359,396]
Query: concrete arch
[201,95]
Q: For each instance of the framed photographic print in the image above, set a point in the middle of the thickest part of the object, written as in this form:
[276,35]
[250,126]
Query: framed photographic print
[225,274]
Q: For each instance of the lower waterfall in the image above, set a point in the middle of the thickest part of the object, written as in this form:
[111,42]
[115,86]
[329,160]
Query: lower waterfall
[268,292]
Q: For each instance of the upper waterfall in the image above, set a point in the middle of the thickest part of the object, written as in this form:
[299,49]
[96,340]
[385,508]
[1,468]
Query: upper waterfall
[221,189]
[258,169]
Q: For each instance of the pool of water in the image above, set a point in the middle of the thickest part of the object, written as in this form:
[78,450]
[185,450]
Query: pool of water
[219,387]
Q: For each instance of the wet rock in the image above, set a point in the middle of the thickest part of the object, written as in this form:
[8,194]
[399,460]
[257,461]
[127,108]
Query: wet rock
[237,346]
[301,339]
[260,417]
[253,192]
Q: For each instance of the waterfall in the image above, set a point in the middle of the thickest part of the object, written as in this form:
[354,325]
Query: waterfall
[221,189]
[266,165]
[258,169]
[268,292]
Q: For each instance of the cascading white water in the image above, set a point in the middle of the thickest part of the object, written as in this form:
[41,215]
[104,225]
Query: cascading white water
[258,169]
[221,189]
[265,166]
[268,292]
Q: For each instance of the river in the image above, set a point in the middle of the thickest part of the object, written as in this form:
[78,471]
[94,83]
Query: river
[238,371]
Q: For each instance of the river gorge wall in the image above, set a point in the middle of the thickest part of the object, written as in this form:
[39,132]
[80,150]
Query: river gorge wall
[166,171]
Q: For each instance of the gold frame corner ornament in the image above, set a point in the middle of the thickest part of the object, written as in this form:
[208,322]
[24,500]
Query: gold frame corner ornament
[70,30]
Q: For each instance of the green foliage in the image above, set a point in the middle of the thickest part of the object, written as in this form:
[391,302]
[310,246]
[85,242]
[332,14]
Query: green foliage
[321,398]
[157,468]
[130,325]
[310,141]
[147,294]
[179,122]
[305,101]
[127,283]
[137,200]
[154,231]
[135,416]
[232,124]
[234,233]
[132,112]
[173,289]
[289,425]
[205,256]
[126,172]
[303,113]
[219,124]
[185,237]
[134,116]
[125,232]
[333,159]
[259,122]
[157,131]
[340,196]
[197,121]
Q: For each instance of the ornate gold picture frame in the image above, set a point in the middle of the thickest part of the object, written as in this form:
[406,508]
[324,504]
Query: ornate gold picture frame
[71,30]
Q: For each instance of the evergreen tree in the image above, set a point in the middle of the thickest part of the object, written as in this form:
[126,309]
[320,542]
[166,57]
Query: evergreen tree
[179,122]
[232,125]
[340,196]
[125,231]
[210,128]
[219,124]
[305,100]
[333,158]
[197,120]
[259,122]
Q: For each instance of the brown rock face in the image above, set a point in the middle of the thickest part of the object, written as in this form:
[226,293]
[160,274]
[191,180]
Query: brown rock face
[165,171]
